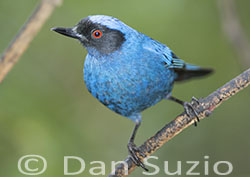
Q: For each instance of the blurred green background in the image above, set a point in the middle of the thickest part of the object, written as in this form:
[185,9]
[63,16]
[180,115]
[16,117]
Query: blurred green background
[46,109]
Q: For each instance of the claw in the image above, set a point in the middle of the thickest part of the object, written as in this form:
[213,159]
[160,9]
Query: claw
[188,107]
[133,150]
[195,100]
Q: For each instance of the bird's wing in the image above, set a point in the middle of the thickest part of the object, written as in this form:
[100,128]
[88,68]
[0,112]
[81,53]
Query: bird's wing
[159,50]
[164,53]
[186,71]
[183,70]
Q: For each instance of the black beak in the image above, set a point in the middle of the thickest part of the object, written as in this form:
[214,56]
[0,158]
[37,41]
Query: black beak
[66,31]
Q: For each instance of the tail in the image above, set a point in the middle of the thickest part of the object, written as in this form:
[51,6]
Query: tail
[189,71]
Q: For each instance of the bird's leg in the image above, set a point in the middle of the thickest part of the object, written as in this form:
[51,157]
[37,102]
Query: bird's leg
[133,149]
[187,106]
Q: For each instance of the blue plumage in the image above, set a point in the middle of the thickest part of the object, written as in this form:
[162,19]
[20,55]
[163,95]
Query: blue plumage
[126,70]
[127,81]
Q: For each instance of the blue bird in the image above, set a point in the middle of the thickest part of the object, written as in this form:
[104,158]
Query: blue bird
[128,71]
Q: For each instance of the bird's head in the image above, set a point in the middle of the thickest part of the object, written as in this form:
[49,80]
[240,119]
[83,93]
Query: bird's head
[102,33]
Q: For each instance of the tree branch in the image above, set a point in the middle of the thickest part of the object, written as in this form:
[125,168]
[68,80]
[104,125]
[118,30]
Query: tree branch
[206,106]
[25,35]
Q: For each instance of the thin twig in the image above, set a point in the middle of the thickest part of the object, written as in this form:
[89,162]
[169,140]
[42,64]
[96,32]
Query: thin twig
[234,30]
[206,106]
[25,35]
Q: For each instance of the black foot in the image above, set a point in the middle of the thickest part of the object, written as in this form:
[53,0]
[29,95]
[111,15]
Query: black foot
[190,110]
[133,150]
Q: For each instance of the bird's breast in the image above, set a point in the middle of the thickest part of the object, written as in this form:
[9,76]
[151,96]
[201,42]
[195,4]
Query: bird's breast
[127,85]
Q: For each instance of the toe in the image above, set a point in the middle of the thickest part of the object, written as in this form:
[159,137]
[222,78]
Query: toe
[195,100]
[133,150]
[190,110]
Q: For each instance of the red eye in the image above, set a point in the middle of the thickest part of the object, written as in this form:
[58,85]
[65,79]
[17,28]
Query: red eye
[97,34]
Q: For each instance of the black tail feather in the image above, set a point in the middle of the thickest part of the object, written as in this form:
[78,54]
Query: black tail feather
[184,73]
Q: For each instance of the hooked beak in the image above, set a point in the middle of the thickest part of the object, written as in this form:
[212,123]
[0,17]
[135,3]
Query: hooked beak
[67,32]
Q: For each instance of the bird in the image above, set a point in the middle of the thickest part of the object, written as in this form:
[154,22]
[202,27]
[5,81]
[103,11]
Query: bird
[127,71]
